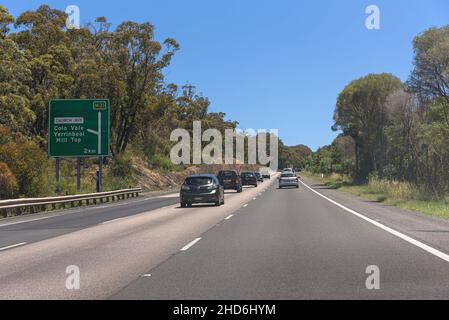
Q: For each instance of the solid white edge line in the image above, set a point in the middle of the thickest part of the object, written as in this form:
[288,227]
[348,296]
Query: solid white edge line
[13,246]
[191,244]
[110,221]
[398,234]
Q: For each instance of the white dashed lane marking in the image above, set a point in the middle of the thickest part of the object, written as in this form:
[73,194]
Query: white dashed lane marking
[191,244]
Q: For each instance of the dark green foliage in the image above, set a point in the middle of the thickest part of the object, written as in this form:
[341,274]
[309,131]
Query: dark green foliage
[400,132]
[121,166]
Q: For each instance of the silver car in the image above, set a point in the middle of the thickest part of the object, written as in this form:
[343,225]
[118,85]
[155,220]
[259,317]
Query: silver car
[288,180]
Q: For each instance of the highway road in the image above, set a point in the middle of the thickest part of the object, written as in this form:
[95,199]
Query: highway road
[265,243]
[30,229]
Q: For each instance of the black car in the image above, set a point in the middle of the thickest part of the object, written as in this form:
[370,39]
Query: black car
[248,178]
[230,180]
[259,176]
[203,188]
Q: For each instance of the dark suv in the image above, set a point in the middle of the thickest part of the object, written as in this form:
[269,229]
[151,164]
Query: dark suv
[203,188]
[249,178]
[230,180]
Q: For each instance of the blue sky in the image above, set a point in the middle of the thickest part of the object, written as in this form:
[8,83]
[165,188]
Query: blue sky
[274,64]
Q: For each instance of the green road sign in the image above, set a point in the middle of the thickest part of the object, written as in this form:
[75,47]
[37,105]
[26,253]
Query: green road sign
[78,128]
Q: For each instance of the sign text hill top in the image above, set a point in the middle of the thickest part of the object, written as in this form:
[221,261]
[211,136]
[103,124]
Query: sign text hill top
[78,128]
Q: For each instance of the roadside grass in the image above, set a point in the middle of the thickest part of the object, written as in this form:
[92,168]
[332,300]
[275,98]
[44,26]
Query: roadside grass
[400,194]
[110,181]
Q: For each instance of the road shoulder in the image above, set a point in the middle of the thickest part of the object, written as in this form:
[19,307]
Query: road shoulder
[430,230]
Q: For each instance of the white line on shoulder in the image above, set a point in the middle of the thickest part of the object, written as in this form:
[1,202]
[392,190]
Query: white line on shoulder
[398,234]
[13,246]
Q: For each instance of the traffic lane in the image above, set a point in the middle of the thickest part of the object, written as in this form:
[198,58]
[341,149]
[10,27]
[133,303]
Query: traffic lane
[292,244]
[29,218]
[77,219]
[109,256]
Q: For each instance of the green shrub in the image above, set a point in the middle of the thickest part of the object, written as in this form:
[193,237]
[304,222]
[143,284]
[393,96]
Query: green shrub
[121,166]
[162,162]
[8,182]
[396,190]
[29,164]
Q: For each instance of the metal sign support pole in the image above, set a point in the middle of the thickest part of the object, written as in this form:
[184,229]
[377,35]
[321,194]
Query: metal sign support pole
[100,173]
[58,182]
[78,174]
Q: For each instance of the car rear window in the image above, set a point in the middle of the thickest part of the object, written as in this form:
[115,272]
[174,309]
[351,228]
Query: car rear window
[228,174]
[247,174]
[199,181]
[288,175]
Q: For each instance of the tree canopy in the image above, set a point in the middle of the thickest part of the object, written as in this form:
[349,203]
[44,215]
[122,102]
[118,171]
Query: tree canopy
[398,131]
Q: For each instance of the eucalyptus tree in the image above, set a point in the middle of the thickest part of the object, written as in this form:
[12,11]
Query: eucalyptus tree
[360,112]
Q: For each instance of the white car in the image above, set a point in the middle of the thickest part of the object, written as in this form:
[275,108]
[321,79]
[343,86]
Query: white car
[266,173]
[288,179]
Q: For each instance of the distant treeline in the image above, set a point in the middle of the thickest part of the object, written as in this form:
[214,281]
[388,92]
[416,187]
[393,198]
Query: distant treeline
[393,130]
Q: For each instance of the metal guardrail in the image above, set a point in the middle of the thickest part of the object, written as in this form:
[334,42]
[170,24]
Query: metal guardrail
[35,205]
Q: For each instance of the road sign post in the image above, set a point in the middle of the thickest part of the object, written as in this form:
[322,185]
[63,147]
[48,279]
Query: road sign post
[100,173]
[58,182]
[79,129]
[78,174]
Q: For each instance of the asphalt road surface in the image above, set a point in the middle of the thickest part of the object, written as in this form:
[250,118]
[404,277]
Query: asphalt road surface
[39,227]
[264,243]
